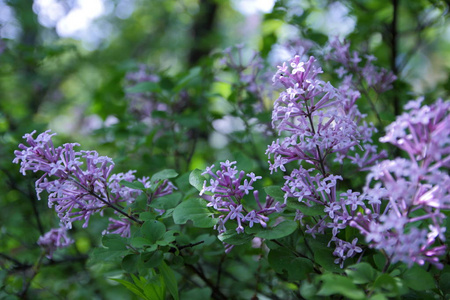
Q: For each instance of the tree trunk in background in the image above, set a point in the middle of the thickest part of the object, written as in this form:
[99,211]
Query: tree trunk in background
[202,31]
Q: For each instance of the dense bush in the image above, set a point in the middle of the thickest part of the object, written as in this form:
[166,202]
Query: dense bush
[316,167]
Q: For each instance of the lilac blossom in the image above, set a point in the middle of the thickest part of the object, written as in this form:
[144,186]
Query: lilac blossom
[352,64]
[81,183]
[143,104]
[54,239]
[121,226]
[314,121]
[358,73]
[249,69]
[229,188]
[416,189]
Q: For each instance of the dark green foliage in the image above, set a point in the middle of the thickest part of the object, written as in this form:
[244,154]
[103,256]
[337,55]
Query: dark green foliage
[48,82]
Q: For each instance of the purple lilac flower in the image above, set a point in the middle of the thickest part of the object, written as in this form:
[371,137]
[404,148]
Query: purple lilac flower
[351,65]
[249,70]
[315,120]
[55,239]
[143,104]
[228,188]
[76,193]
[416,189]
[310,115]
[81,183]
[359,77]
[121,226]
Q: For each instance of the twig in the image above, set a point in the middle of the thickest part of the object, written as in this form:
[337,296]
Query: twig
[190,245]
[30,195]
[109,204]
[27,284]
[219,272]
[15,261]
[216,293]
[394,52]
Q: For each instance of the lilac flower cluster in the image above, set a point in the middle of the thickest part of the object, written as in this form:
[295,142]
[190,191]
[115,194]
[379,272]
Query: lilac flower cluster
[56,238]
[416,189]
[76,193]
[311,133]
[228,188]
[251,74]
[362,67]
[356,77]
[80,183]
[315,120]
[143,104]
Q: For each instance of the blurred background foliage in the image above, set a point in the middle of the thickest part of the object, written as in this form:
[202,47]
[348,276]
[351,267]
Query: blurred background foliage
[144,82]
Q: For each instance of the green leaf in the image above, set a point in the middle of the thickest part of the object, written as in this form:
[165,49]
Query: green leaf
[195,210]
[170,236]
[323,255]
[114,242]
[155,288]
[194,74]
[418,279]
[133,185]
[189,121]
[336,284]
[283,260]
[153,230]
[386,284]
[196,179]
[164,174]
[100,255]
[143,87]
[182,182]
[308,290]
[283,229]
[131,287]
[233,238]
[129,263]
[444,283]
[379,260]
[275,192]
[197,293]
[167,201]
[140,242]
[315,210]
[146,216]
[361,273]
[169,279]
[140,203]
[151,260]
[378,297]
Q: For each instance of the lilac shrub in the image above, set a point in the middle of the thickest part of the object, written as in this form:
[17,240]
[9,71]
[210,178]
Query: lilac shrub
[319,124]
[417,189]
[410,228]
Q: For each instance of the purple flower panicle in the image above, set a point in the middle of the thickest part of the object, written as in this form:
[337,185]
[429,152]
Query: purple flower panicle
[416,189]
[121,226]
[81,183]
[55,239]
[314,121]
[228,188]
